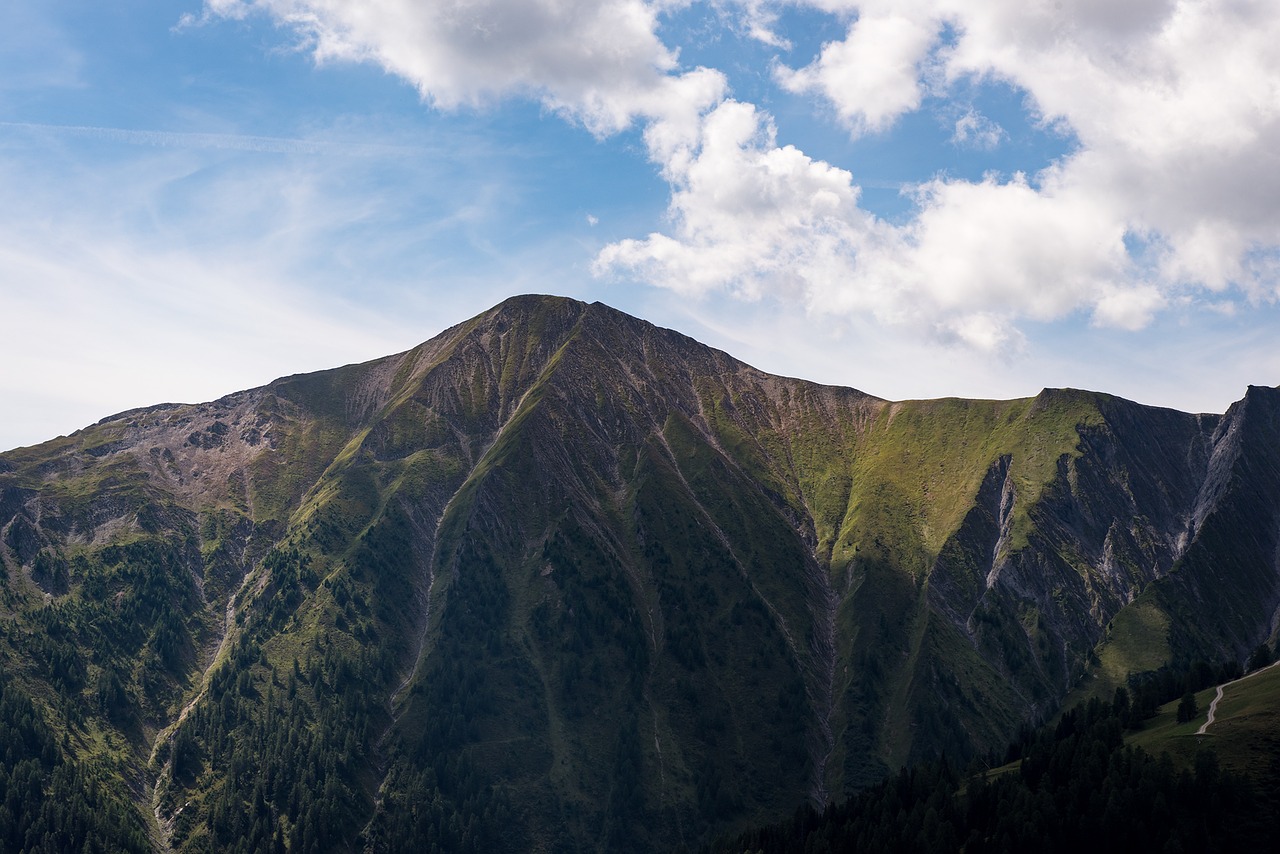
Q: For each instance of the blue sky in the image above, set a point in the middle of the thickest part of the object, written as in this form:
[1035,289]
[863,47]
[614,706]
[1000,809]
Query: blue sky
[917,198]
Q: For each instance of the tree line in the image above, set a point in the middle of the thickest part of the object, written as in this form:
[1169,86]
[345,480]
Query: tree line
[1076,787]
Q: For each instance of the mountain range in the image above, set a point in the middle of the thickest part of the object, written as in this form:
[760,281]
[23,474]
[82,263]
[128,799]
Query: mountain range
[558,579]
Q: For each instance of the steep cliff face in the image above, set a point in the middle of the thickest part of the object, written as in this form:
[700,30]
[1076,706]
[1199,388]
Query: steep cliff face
[559,578]
[1222,598]
[1114,516]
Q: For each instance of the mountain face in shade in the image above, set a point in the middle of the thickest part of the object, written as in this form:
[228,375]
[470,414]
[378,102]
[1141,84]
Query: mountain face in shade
[558,579]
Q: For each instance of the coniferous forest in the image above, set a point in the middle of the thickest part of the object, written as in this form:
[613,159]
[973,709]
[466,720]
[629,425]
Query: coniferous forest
[49,804]
[560,580]
[1077,787]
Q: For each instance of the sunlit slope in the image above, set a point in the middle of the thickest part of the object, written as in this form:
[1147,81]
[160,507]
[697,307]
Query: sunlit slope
[558,577]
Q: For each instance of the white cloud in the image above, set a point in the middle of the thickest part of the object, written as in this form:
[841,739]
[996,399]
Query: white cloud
[1130,309]
[1175,105]
[974,130]
[873,76]
[760,220]
[1004,246]
[749,216]
[185,267]
[758,19]
[1176,108]
[599,61]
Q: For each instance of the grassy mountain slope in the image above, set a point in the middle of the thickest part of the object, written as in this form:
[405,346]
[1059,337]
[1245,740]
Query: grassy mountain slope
[1245,733]
[559,579]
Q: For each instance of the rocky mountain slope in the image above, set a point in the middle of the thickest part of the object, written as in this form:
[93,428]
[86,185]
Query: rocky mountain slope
[558,579]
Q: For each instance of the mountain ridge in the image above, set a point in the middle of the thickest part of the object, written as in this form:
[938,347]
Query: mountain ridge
[691,593]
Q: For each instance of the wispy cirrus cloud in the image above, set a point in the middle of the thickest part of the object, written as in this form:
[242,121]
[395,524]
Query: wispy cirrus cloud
[209,141]
[975,130]
[874,75]
[34,53]
[141,266]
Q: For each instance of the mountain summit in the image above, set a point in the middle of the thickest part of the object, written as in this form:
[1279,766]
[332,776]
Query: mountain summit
[558,579]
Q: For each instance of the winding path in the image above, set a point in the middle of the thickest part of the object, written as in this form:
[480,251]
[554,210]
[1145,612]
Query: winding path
[1213,707]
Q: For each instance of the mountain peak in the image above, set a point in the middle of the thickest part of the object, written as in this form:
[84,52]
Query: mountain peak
[557,551]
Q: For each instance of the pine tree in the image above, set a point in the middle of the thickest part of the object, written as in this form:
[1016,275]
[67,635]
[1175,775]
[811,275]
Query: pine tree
[1187,707]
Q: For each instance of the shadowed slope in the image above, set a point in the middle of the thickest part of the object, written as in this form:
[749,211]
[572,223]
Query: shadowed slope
[558,577]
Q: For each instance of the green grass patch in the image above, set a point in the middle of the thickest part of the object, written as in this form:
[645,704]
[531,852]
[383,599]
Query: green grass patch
[1245,733]
[1137,641]
[1246,728]
[1163,733]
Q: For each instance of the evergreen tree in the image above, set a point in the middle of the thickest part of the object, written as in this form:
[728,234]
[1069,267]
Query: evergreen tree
[1261,657]
[1187,707]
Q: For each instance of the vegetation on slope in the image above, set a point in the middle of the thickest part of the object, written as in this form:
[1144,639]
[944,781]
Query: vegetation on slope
[1076,786]
[51,802]
[559,579]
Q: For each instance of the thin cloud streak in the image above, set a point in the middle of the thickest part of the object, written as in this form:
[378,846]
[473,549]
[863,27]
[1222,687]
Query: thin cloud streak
[214,141]
[166,271]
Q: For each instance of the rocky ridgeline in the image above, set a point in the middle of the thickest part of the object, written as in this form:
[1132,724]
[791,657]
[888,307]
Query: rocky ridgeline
[578,581]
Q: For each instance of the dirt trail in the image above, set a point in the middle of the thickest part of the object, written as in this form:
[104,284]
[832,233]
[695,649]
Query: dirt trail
[1213,707]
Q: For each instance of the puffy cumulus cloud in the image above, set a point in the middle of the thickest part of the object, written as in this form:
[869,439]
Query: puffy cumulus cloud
[1176,108]
[1130,308]
[600,61]
[873,76]
[759,220]
[992,245]
[982,331]
[1175,105]
[749,216]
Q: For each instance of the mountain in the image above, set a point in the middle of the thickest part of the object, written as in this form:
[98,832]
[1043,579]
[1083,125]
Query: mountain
[558,579]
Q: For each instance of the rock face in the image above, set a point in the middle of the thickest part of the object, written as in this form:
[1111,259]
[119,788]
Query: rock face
[558,579]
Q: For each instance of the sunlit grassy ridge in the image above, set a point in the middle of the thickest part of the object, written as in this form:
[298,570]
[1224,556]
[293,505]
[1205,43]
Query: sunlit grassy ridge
[922,462]
[573,580]
[1136,641]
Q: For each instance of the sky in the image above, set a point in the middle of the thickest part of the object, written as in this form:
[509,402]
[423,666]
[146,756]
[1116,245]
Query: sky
[916,198]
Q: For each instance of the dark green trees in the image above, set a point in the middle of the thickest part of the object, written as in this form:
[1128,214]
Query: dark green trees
[1261,657]
[1187,707]
[1077,788]
[51,804]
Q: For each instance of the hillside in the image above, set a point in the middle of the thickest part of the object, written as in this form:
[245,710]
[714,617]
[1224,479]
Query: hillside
[558,579]
[1120,775]
[1245,732]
